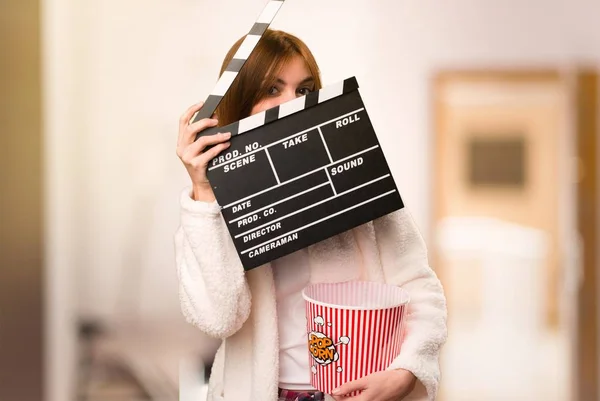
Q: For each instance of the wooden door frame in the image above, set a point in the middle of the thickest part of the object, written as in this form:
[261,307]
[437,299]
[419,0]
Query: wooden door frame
[588,199]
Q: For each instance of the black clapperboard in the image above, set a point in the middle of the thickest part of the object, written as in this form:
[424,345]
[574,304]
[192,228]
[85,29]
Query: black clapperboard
[300,172]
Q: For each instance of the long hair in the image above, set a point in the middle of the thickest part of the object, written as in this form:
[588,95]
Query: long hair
[273,51]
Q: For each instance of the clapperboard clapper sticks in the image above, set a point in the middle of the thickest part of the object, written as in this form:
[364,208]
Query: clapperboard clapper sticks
[300,173]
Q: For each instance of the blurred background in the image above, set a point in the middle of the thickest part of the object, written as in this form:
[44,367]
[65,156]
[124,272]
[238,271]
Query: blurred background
[487,112]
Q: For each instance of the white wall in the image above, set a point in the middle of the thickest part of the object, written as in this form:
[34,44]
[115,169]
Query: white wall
[129,69]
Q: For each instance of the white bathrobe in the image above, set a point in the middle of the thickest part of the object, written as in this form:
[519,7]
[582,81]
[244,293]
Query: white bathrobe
[223,301]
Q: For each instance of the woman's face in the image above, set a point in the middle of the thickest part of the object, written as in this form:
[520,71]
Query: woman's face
[293,81]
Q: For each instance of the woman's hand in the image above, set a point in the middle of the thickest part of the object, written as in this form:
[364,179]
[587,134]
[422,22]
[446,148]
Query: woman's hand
[389,385]
[192,153]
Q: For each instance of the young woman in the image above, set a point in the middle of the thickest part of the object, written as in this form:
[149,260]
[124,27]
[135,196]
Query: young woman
[259,314]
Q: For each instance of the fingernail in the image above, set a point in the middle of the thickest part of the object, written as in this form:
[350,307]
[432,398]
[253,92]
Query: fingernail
[336,392]
[227,134]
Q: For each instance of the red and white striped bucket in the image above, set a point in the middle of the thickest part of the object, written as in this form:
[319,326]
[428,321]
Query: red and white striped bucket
[354,329]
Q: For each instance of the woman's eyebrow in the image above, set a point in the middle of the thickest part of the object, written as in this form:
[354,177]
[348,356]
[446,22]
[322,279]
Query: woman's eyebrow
[304,81]
[307,80]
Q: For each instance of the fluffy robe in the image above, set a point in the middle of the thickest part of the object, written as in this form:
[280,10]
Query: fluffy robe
[223,301]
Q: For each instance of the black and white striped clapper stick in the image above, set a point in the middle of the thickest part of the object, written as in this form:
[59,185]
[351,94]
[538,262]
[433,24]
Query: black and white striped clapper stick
[239,59]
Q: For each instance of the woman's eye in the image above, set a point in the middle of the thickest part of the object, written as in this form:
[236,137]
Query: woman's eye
[272,91]
[304,91]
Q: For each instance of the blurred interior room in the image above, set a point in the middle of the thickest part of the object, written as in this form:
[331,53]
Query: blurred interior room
[488,113]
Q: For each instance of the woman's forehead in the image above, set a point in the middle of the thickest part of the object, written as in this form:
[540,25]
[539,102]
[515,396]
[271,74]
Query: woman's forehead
[293,69]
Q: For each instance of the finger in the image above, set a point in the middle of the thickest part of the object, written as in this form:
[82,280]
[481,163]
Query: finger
[195,148]
[185,118]
[343,398]
[198,158]
[199,126]
[359,397]
[201,161]
[364,395]
[188,134]
[213,152]
[347,388]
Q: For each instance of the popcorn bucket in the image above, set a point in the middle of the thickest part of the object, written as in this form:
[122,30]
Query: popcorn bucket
[354,329]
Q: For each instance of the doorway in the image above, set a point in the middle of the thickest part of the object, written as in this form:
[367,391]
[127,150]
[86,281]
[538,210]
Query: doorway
[505,224]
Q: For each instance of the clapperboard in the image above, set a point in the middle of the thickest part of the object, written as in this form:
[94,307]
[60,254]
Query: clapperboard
[300,172]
